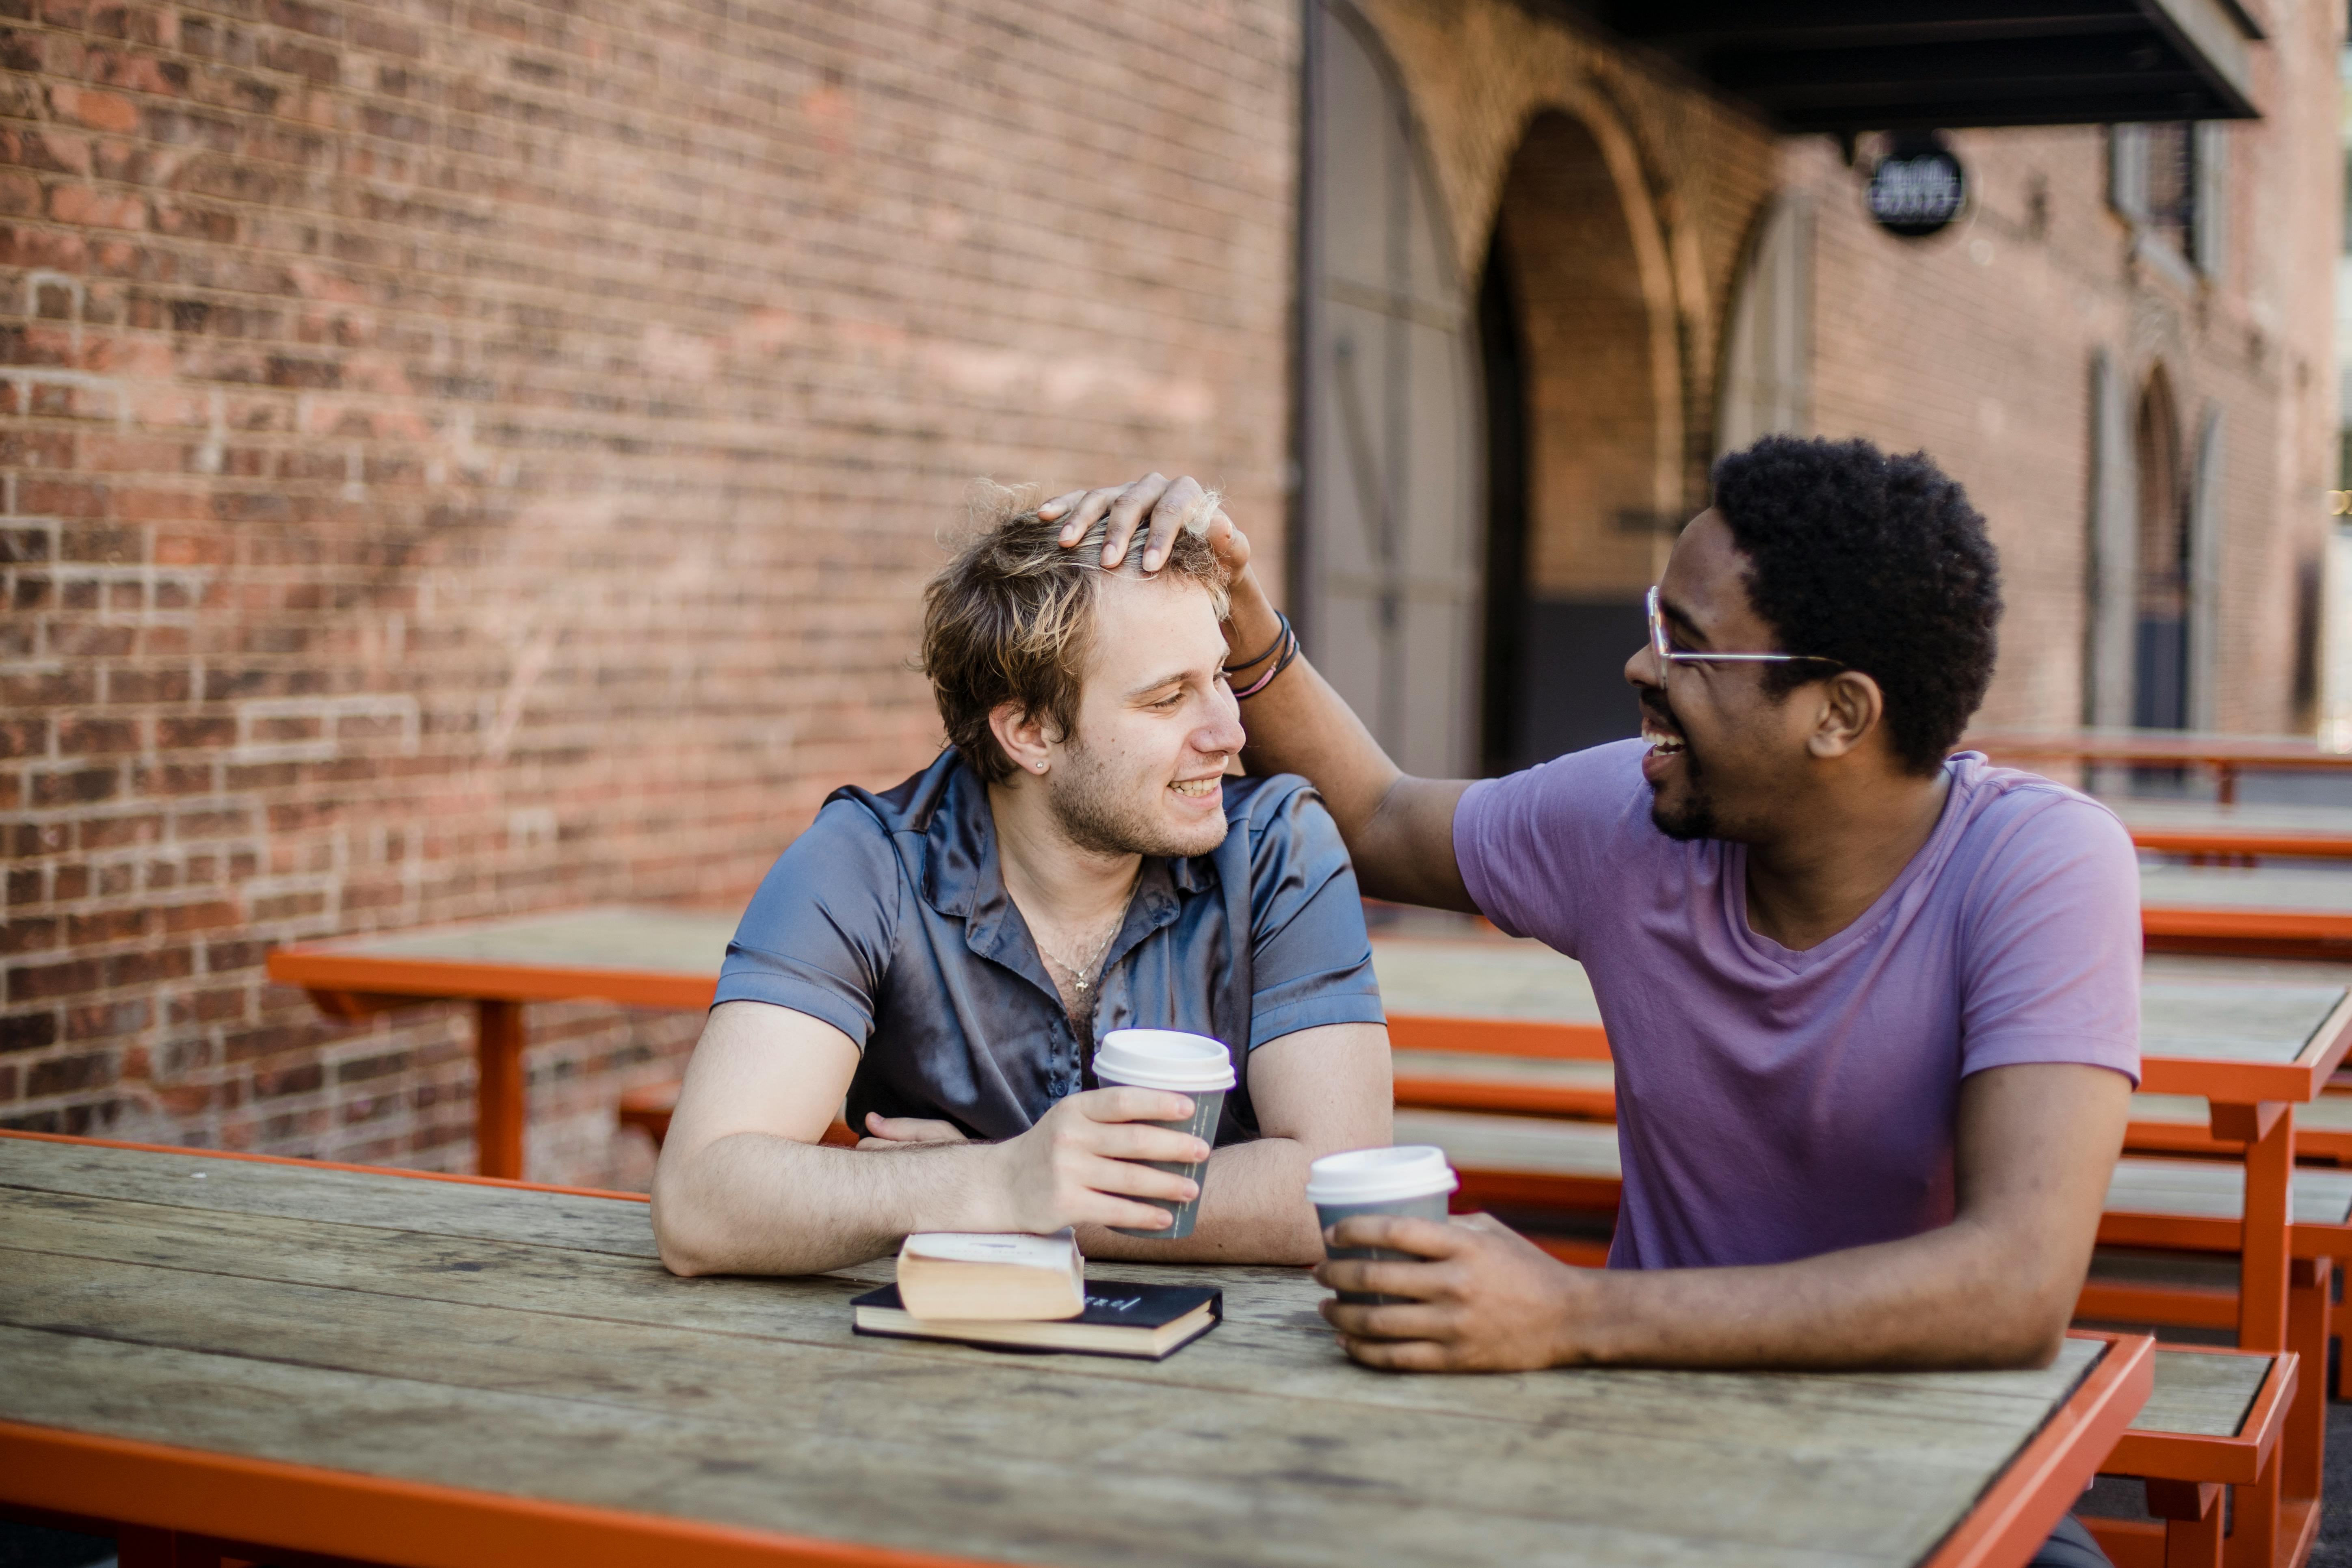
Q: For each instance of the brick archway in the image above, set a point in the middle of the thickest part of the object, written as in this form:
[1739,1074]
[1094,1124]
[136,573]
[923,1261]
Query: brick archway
[1579,294]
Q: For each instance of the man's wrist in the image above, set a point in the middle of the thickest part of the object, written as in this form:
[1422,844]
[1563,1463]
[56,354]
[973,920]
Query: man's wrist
[1251,623]
[970,1189]
[1579,1318]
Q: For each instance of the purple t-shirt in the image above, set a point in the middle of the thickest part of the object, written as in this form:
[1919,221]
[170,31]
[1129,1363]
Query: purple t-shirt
[1774,1104]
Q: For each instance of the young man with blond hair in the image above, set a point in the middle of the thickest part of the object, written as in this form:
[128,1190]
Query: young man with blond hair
[946,953]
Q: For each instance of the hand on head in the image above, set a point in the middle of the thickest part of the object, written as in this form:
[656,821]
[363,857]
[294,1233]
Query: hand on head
[1171,504]
[1483,1298]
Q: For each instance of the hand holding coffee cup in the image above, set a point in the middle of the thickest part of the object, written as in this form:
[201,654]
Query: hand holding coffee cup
[1084,1163]
[1192,1065]
[1409,1181]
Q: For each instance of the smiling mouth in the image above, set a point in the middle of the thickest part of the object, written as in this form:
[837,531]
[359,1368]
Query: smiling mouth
[1664,742]
[1195,789]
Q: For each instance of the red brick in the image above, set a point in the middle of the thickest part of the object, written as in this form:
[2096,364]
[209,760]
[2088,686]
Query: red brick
[36,934]
[279,1082]
[106,925]
[194,732]
[34,982]
[225,957]
[27,1031]
[92,642]
[115,832]
[81,788]
[66,1074]
[79,735]
[144,968]
[147,685]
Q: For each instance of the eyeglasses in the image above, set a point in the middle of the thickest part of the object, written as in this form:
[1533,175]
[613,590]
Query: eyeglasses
[1667,654]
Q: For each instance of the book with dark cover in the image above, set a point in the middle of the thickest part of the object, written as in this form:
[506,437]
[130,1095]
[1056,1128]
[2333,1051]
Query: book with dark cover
[1149,1322]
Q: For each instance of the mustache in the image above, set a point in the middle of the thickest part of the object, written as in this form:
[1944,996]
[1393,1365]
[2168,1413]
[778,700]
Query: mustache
[1655,704]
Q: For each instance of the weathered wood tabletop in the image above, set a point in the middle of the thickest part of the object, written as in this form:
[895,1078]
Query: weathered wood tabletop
[527,1343]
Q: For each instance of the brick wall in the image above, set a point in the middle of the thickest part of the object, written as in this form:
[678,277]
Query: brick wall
[468,458]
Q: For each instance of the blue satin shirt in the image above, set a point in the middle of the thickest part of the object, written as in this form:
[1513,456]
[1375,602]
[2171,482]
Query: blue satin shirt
[888,919]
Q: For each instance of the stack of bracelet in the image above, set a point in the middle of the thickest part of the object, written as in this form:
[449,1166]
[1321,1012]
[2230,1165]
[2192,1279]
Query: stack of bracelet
[1285,645]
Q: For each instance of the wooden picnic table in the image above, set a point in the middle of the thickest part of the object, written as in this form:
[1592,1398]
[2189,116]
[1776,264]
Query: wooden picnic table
[244,1353]
[1444,997]
[2227,755]
[2267,911]
[638,957]
[669,958]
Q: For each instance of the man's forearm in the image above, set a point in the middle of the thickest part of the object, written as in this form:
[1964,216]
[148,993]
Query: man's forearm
[1951,1298]
[1254,1209]
[754,1203]
[1300,725]
[1398,829]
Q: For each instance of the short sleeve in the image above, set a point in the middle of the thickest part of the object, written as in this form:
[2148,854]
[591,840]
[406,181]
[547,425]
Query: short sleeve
[1311,961]
[2051,966]
[818,934]
[1531,845]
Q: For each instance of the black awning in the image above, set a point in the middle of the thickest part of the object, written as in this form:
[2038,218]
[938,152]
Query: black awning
[1883,64]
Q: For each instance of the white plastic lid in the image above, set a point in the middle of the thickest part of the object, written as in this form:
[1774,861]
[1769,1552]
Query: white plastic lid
[1164,1059]
[1379,1176]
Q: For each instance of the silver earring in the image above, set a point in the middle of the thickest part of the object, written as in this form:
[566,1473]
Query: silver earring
[1041,767]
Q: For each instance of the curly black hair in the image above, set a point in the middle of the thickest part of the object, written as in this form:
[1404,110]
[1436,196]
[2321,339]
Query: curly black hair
[1878,562]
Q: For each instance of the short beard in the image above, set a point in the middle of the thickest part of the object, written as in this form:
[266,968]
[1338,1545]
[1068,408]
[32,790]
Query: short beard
[1097,817]
[1695,817]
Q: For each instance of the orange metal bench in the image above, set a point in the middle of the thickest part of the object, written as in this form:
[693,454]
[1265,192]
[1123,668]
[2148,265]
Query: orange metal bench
[2175,1447]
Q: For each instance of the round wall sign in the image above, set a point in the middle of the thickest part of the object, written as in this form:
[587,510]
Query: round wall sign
[1917,190]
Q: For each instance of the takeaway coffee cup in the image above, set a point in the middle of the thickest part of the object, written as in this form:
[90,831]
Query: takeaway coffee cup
[1411,1181]
[1188,1064]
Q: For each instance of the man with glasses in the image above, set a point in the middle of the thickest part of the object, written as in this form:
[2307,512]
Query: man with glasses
[1873,1005]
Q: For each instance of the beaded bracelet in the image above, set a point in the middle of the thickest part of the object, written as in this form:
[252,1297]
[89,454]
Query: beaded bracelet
[1280,637]
[1289,652]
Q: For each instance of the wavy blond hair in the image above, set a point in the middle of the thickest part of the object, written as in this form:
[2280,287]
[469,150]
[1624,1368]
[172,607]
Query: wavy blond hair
[1012,617]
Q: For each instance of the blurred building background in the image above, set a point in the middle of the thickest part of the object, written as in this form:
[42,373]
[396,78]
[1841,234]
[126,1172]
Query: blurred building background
[468,460]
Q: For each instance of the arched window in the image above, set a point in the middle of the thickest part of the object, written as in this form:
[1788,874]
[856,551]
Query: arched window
[1587,443]
[1768,359]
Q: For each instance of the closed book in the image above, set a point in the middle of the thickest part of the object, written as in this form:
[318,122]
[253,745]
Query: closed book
[1146,1321]
[967,1277]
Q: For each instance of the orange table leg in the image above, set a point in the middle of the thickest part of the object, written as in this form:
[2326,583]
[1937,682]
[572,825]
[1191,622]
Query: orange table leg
[2305,1442]
[2268,1133]
[498,1039]
[2192,1511]
[2254,1520]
